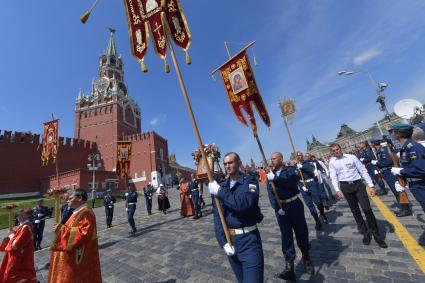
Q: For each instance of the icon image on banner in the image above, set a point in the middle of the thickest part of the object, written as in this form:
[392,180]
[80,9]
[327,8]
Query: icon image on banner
[238,80]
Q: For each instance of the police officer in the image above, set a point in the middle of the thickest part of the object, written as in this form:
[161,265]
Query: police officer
[412,159]
[109,201]
[148,193]
[289,214]
[311,192]
[40,212]
[384,162]
[194,194]
[130,207]
[366,156]
[239,198]
[318,169]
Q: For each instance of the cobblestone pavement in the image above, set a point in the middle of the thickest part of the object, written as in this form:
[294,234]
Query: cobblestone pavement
[170,248]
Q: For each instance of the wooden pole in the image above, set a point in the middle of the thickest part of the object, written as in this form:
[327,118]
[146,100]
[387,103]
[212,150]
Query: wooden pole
[196,130]
[57,193]
[10,216]
[266,165]
[293,149]
[403,197]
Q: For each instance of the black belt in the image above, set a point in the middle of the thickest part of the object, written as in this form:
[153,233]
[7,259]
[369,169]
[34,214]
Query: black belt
[350,182]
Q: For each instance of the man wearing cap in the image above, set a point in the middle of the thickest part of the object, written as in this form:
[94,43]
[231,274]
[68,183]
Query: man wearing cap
[40,212]
[148,193]
[289,214]
[239,197]
[18,248]
[194,193]
[412,160]
[109,201]
[346,173]
[130,207]
[384,162]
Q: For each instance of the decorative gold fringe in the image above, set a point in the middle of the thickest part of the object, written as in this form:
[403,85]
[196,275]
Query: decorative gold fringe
[85,17]
[144,68]
[188,60]
[167,67]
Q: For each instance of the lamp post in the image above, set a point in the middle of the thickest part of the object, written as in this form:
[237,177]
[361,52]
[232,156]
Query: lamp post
[379,88]
[93,166]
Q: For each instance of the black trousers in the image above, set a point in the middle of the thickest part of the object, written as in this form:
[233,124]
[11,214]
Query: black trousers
[109,212]
[356,194]
[149,204]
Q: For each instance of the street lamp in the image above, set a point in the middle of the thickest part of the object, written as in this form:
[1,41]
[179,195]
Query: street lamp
[93,166]
[379,88]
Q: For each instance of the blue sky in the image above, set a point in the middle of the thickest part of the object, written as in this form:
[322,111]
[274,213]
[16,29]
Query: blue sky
[47,55]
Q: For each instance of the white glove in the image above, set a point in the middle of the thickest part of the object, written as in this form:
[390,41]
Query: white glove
[126,194]
[374,162]
[396,170]
[37,221]
[304,188]
[362,159]
[316,173]
[126,209]
[299,166]
[213,187]
[228,249]
[11,236]
[376,172]
[281,212]
[399,188]
[40,215]
[270,176]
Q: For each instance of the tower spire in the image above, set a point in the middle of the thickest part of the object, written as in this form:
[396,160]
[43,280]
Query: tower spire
[111,50]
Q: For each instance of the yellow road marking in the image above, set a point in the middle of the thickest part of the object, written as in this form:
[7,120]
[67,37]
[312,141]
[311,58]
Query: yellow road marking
[415,250]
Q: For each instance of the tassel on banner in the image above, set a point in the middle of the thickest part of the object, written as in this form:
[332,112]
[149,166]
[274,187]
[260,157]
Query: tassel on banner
[144,68]
[166,66]
[188,60]
[85,17]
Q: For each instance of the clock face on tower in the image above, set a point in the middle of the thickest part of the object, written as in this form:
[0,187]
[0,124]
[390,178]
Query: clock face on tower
[102,84]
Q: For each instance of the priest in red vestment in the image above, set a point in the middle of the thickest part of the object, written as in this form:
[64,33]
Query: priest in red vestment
[75,251]
[18,261]
[187,208]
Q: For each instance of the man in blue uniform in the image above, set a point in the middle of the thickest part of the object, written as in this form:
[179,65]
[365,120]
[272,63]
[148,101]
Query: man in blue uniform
[412,159]
[130,206]
[318,169]
[384,163]
[239,196]
[194,194]
[366,156]
[311,191]
[109,201]
[289,214]
[39,214]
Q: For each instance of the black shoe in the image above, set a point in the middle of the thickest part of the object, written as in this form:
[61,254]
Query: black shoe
[326,204]
[288,273]
[149,213]
[404,212]
[309,268]
[196,217]
[318,226]
[324,219]
[366,239]
[380,242]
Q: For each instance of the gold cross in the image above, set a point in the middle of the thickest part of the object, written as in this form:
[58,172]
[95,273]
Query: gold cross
[158,29]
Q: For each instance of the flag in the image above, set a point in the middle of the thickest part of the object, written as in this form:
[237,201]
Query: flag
[123,159]
[50,141]
[242,91]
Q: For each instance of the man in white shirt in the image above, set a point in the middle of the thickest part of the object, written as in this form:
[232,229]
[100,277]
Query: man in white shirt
[346,172]
[418,135]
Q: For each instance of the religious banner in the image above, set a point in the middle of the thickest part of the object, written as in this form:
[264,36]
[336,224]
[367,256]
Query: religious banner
[288,108]
[213,156]
[242,91]
[50,141]
[123,159]
[178,24]
[145,17]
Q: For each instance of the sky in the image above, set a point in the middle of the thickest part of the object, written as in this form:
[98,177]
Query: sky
[47,55]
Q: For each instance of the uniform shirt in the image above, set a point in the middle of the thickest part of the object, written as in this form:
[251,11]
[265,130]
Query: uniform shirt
[132,197]
[308,169]
[148,192]
[347,168]
[193,186]
[412,159]
[240,205]
[286,183]
[39,214]
[66,212]
[109,200]
[383,158]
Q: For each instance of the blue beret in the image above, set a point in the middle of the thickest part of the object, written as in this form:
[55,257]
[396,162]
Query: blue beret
[402,127]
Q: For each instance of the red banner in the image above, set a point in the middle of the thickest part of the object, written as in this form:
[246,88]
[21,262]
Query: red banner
[137,30]
[178,24]
[123,159]
[242,91]
[50,141]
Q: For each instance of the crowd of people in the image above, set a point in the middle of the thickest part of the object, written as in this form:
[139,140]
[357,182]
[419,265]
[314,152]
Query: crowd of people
[290,186]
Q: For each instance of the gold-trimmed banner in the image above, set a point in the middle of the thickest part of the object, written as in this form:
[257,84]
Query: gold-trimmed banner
[50,141]
[123,158]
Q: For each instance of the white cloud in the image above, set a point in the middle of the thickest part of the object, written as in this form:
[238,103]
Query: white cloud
[368,55]
[155,121]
